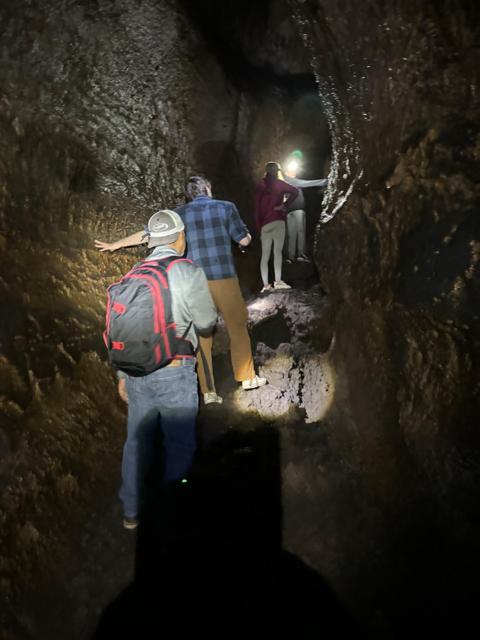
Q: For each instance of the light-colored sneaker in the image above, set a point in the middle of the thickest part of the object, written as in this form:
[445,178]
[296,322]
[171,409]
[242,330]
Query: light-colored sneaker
[280,284]
[254,383]
[303,258]
[130,523]
[266,288]
[212,398]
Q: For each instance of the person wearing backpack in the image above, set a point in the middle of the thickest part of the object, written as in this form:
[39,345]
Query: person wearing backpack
[153,316]
[210,227]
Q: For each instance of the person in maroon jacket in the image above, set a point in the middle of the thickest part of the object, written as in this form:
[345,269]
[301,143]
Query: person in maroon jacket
[272,197]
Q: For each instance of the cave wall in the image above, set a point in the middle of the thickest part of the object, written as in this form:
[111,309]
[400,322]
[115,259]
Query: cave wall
[107,93]
[105,108]
[398,253]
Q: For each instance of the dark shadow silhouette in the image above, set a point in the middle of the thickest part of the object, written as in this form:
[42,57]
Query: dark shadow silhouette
[210,560]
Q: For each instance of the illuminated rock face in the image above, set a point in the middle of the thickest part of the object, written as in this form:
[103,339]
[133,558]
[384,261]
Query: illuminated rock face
[106,107]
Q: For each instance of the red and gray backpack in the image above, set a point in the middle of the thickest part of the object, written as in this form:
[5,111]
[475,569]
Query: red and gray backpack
[140,334]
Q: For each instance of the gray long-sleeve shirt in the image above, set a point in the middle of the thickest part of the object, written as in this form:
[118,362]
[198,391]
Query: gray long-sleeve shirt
[299,202]
[191,298]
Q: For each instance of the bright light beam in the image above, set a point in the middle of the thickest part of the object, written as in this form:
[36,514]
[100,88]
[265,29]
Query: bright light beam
[293,165]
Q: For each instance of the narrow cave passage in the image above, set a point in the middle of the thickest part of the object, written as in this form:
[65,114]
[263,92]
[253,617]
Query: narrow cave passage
[343,495]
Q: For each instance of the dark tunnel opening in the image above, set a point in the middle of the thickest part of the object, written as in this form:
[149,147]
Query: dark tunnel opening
[342,496]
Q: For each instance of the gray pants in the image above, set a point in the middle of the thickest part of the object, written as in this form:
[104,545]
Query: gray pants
[272,233]
[296,232]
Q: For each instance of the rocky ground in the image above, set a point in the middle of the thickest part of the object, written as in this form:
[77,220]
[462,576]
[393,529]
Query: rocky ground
[230,514]
[234,547]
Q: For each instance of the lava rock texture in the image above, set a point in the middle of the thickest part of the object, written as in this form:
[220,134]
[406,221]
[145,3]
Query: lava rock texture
[105,108]
[99,125]
[400,258]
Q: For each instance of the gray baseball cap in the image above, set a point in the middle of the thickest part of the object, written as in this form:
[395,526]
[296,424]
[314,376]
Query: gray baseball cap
[164,227]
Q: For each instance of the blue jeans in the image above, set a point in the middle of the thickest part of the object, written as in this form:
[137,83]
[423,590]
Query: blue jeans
[166,399]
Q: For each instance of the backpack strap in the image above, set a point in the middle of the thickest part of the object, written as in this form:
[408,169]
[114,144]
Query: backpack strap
[176,261]
[185,347]
[186,330]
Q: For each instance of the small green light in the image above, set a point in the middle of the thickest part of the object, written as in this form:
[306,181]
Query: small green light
[184,481]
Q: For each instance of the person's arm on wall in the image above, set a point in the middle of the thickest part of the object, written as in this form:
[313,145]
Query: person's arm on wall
[130,241]
[302,184]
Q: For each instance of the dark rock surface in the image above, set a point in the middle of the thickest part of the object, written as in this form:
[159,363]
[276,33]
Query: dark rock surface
[372,412]
[400,261]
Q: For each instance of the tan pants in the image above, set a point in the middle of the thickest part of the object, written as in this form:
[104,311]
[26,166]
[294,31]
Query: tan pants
[230,303]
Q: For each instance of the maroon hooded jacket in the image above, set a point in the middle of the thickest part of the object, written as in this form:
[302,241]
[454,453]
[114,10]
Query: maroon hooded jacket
[269,193]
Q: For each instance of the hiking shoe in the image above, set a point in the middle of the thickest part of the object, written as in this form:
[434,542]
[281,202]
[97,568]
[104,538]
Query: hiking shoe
[303,258]
[289,260]
[254,383]
[212,398]
[267,287]
[280,284]
[130,523]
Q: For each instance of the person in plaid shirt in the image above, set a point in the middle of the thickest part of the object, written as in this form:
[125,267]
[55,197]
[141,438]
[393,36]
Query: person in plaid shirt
[210,227]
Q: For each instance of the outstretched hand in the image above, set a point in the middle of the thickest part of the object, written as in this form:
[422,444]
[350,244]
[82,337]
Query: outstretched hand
[105,246]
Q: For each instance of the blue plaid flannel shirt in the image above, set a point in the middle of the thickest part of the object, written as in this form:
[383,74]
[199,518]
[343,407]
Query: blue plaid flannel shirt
[210,227]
